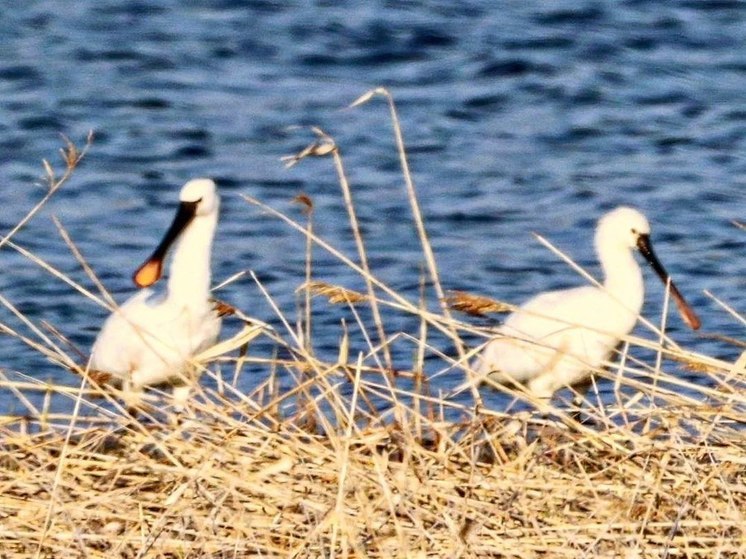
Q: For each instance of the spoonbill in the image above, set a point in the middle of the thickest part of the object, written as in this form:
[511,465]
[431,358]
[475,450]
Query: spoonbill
[151,339]
[558,338]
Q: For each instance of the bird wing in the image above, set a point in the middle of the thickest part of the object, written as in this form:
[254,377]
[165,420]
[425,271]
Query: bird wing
[568,322]
[115,348]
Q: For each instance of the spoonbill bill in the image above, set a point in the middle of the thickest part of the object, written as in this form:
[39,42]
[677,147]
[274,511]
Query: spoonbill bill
[558,338]
[151,339]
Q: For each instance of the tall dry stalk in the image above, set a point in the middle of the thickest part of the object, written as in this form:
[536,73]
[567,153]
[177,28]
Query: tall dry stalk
[413,200]
[327,146]
[71,157]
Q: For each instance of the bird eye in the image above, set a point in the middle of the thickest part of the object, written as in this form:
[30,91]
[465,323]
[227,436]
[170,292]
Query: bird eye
[634,231]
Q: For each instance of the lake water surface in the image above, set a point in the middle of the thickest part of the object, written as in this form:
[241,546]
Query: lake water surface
[518,117]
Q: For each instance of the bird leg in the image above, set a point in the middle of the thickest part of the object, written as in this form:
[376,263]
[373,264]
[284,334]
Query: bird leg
[180,396]
[580,389]
[135,406]
[132,398]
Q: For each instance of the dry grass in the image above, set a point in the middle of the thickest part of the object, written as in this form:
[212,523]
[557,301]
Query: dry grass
[350,457]
[223,488]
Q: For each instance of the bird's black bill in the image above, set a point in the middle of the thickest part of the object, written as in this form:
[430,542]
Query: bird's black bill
[152,269]
[687,314]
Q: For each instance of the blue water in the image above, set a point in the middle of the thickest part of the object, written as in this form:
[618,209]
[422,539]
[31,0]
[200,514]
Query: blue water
[520,117]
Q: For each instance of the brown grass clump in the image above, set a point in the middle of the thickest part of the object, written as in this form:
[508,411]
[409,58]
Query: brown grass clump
[225,488]
[353,457]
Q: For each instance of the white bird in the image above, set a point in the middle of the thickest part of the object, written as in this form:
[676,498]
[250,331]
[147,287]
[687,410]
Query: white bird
[558,338]
[151,339]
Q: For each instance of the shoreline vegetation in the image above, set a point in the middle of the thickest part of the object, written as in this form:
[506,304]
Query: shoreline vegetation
[355,458]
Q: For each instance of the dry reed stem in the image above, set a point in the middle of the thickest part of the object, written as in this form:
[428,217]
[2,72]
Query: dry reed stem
[71,157]
[307,204]
[327,146]
[412,196]
[418,219]
[730,310]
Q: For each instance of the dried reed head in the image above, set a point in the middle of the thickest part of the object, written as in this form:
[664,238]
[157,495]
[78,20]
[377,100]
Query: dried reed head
[475,305]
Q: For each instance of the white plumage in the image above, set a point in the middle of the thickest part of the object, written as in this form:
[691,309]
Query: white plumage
[558,338]
[151,339]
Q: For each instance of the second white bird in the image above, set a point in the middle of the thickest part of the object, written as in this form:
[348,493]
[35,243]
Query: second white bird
[558,338]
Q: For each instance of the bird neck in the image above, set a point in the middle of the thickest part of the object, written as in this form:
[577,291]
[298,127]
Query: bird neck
[623,278]
[190,275]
